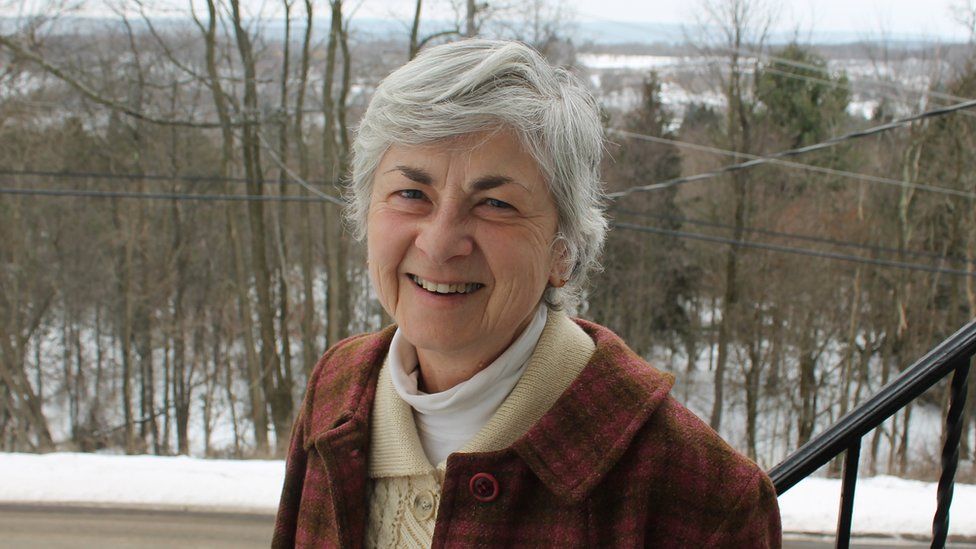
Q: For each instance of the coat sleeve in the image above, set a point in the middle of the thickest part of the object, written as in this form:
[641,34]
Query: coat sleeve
[286,522]
[754,521]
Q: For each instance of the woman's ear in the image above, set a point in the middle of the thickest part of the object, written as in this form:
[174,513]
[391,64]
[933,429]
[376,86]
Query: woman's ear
[561,267]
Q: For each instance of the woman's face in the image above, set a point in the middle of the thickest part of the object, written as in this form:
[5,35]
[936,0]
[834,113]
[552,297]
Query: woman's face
[460,240]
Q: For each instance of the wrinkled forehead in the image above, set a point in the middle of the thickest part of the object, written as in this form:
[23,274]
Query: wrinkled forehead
[482,160]
[466,141]
[470,142]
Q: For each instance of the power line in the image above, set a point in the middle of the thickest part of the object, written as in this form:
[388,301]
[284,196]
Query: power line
[160,196]
[622,225]
[795,152]
[884,83]
[294,176]
[266,116]
[850,88]
[769,69]
[792,250]
[157,177]
[279,198]
[143,177]
[809,167]
[794,236]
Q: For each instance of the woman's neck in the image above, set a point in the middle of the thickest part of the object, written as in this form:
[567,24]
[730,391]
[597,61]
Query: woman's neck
[441,371]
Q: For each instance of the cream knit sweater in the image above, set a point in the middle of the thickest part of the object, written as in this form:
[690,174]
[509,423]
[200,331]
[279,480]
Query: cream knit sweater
[405,488]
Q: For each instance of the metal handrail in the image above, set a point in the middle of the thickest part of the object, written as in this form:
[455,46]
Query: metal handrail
[952,355]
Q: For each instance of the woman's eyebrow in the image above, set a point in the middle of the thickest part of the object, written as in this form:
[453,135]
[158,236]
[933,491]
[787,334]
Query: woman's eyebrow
[414,174]
[487,182]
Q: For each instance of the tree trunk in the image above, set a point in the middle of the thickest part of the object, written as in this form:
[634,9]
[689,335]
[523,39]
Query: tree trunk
[752,397]
[284,381]
[886,358]
[739,139]
[808,386]
[280,401]
[259,412]
[852,325]
[13,375]
[148,427]
[470,29]
[309,337]
[181,389]
[168,385]
[333,143]
[123,267]
[415,31]
[70,390]
[730,304]
[903,443]
[258,405]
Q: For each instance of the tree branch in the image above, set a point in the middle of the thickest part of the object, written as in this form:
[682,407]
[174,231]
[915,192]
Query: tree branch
[94,96]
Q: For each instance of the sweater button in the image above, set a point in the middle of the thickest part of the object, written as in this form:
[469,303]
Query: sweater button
[423,506]
[483,487]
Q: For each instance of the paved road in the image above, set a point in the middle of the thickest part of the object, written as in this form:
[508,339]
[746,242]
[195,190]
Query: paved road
[861,544]
[26,526]
[64,527]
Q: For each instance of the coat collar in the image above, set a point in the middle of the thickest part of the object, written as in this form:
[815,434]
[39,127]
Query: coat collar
[588,429]
[571,448]
[342,388]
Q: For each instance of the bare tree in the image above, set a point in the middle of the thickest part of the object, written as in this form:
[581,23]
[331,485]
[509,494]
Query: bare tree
[743,23]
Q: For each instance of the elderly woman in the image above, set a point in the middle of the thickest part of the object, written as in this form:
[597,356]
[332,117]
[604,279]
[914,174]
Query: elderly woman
[486,416]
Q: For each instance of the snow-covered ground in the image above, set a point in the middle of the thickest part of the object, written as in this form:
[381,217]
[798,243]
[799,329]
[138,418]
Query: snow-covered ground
[883,505]
[141,481]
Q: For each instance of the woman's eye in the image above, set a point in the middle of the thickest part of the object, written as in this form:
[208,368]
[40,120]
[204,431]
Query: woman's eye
[411,194]
[495,203]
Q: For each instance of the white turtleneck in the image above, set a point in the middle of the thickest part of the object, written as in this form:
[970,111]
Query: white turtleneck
[448,419]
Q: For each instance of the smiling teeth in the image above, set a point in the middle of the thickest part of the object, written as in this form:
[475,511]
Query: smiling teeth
[445,288]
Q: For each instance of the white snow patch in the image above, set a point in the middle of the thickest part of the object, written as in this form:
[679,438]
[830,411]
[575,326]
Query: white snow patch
[604,61]
[863,109]
[141,481]
[883,505]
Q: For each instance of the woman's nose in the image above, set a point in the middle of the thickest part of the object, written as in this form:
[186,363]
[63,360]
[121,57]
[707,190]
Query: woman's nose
[445,236]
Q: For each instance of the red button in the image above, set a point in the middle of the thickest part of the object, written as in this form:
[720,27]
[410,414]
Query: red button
[483,487]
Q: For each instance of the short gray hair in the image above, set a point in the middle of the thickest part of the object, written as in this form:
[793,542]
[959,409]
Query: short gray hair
[476,85]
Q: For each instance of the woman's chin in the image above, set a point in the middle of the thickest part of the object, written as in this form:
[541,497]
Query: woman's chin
[444,338]
[441,322]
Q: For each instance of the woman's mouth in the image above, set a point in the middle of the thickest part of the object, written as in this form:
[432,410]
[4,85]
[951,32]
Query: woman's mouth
[446,288]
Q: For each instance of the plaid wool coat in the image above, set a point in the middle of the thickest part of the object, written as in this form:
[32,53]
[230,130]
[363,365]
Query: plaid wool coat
[616,462]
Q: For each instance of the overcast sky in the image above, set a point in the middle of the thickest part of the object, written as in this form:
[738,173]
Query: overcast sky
[901,16]
[870,18]
[932,18]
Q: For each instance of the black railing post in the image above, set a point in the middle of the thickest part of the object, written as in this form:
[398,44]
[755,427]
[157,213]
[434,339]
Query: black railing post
[950,451]
[846,513]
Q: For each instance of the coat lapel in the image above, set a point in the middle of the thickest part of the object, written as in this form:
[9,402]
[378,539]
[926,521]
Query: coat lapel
[344,388]
[337,411]
[586,431]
